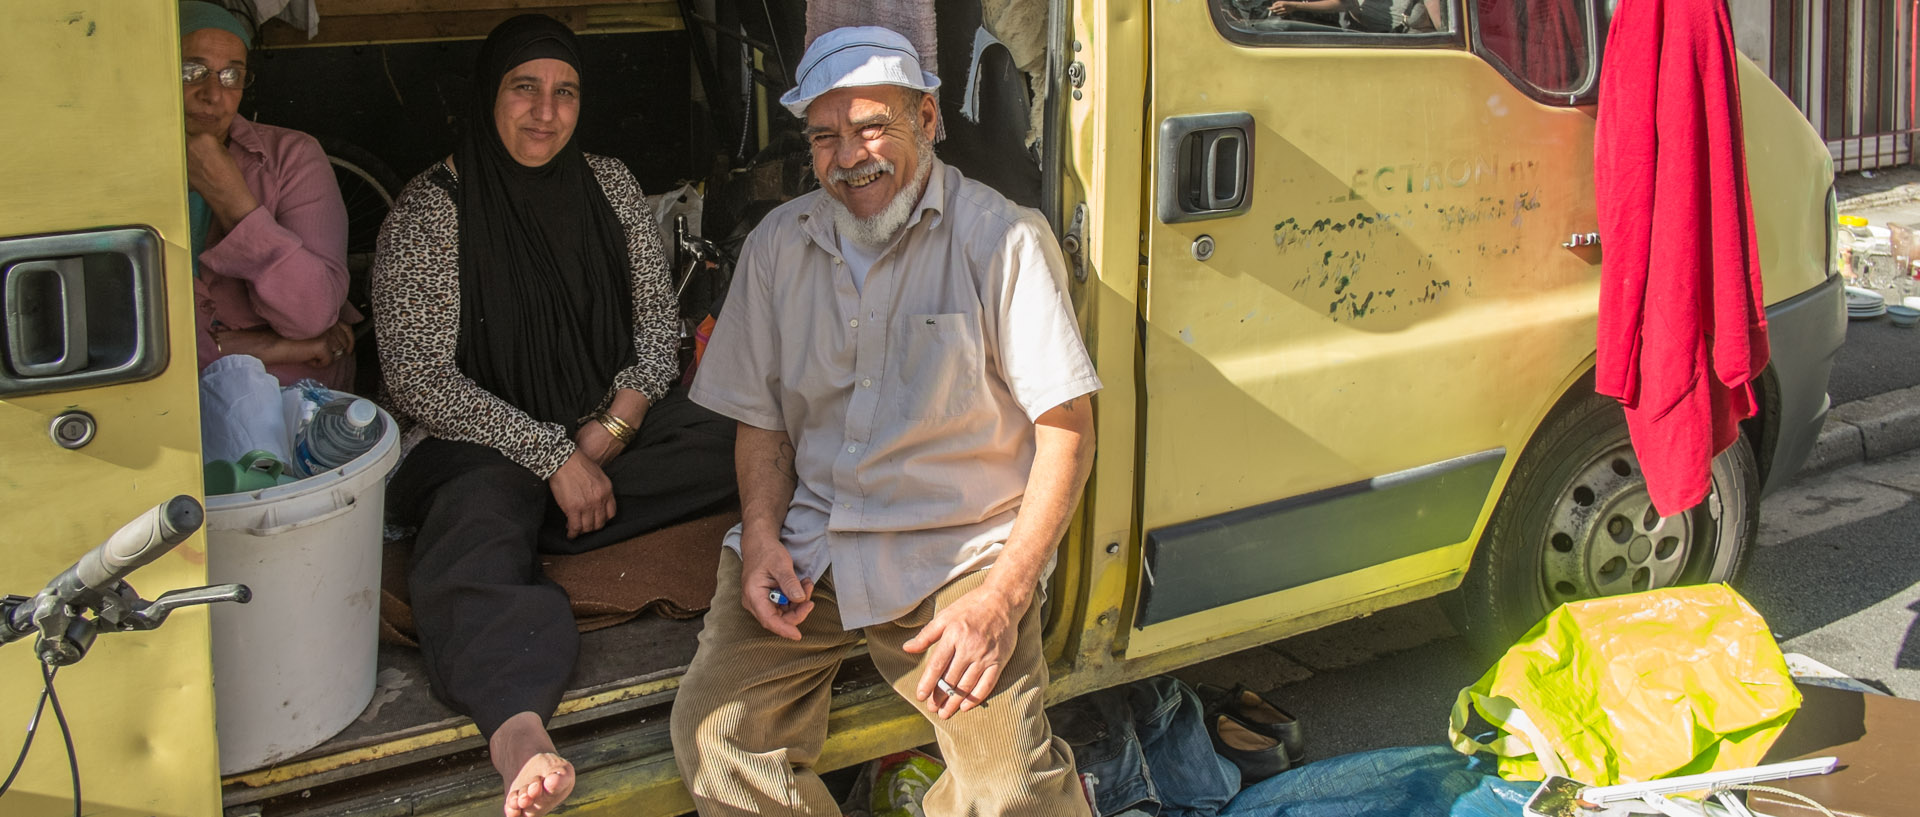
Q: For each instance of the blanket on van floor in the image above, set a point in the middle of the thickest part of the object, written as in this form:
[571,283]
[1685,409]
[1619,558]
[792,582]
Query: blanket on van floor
[1682,327]
[669,572]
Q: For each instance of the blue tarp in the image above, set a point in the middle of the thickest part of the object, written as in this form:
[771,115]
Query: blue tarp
[1420,781]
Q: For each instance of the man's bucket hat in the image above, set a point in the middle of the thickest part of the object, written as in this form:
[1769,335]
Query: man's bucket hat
[856,56]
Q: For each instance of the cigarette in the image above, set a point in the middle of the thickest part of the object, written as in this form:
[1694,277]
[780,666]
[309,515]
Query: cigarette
[950,690]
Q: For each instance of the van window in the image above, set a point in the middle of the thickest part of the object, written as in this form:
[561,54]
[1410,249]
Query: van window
[1544,46]
[1336,22]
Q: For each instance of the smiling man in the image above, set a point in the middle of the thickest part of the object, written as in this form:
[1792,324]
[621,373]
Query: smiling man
[915,428]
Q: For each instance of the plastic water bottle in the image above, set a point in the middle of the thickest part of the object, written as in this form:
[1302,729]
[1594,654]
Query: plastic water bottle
[341,430]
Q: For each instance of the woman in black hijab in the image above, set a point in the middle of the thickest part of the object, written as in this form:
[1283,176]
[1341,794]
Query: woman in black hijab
[527,333]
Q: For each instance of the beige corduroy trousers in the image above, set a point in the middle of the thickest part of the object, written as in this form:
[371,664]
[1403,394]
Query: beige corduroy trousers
[751,715]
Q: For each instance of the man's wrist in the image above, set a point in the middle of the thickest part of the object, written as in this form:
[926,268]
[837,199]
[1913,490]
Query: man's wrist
[1016,591]
[759,535]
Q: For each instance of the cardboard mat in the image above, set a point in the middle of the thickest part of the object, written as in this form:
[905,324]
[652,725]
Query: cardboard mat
[1876,738]
[668,572]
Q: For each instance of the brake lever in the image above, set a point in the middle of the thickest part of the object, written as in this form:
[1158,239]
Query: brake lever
[151,615]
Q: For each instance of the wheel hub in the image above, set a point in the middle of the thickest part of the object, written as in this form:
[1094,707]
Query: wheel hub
[1604,537]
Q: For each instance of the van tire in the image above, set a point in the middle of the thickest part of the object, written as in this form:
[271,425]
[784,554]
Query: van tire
[1573,523]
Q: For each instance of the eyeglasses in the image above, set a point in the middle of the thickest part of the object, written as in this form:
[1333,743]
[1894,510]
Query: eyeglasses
[232,78]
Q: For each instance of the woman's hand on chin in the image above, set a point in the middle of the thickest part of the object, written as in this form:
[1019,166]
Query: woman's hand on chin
[584,493]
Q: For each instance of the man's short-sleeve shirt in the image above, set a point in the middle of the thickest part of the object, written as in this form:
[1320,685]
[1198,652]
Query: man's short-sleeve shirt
[910,401]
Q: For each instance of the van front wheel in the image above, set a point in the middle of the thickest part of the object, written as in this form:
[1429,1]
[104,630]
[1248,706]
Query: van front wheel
[1576,522]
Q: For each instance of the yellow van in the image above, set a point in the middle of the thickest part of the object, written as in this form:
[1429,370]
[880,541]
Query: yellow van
[1335,262]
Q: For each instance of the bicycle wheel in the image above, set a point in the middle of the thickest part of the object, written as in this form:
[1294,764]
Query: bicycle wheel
[367,187]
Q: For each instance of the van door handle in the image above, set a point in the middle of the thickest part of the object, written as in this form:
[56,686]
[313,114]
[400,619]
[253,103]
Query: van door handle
[1226,173]
[46,316]
[81,310]
[1205,166]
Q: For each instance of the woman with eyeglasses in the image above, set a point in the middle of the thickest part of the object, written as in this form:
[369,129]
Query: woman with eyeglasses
[269,229]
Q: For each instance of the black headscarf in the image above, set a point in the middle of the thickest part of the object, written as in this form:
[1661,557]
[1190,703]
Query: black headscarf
[546,308]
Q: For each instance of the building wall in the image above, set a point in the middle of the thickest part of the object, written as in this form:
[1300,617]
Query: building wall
[1752,29]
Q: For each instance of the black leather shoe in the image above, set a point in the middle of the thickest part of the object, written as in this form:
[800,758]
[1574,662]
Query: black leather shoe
[1263,716]
[1257,756]
[1258,713]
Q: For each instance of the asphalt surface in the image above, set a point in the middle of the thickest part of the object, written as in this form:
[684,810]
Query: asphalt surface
[1877,358]
[1385,680]
[1874,188]
[1836,574]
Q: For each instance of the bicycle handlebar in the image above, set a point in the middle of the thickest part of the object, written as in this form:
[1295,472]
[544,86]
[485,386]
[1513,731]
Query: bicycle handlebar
[91,596]
[148,537]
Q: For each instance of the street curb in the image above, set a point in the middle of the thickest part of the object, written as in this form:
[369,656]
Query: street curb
[1898,195]
[1867,429]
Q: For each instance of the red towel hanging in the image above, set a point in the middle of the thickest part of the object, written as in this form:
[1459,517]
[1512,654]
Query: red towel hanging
[1682,328]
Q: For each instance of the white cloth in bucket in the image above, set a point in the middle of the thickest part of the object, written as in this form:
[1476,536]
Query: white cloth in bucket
[240,410]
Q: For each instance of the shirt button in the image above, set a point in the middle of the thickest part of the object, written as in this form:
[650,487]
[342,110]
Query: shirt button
[836,262]
[854,322]
[867,383]
[852,448]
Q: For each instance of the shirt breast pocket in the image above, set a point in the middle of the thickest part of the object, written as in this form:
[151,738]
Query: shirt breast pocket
[942,372]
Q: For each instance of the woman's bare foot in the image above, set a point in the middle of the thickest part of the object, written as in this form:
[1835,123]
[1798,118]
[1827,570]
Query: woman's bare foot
[538,779]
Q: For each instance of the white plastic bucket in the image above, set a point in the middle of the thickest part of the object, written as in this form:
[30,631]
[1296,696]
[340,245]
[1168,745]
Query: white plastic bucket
[297,664]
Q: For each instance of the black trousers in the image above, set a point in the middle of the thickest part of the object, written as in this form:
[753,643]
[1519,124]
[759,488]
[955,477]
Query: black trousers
[498,635]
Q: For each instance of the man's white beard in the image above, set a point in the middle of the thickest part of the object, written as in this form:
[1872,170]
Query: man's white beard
[876,232]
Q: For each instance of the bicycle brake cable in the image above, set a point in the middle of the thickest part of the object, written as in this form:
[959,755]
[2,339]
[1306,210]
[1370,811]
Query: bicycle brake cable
[66,734]
[33,726]
[47,694]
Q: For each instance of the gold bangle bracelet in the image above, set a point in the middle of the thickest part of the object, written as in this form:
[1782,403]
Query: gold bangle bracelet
[624,425]
[612,429]
[617,427]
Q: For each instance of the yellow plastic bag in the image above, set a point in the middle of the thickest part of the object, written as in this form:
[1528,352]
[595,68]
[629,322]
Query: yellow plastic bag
[1632,688]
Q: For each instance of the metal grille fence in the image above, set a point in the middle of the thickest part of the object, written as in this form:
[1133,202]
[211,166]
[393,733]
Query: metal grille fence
[1850,66]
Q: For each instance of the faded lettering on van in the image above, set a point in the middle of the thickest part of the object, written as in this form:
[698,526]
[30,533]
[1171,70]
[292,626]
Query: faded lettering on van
[1427,177]
[1364,264]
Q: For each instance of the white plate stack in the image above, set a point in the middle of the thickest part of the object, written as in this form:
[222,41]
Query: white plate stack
[1863,303]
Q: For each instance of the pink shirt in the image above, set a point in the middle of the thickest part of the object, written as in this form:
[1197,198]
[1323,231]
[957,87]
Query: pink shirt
[284,266]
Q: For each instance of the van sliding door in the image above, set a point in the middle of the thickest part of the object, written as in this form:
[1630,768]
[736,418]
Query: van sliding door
[1357,303]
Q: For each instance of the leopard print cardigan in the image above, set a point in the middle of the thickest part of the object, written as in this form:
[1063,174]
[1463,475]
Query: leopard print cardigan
[416,308]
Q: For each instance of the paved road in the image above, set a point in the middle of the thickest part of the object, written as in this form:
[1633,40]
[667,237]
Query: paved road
[1877,358]
[1836,575]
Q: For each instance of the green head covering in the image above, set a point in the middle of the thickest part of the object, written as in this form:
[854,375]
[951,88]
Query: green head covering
[198,14]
